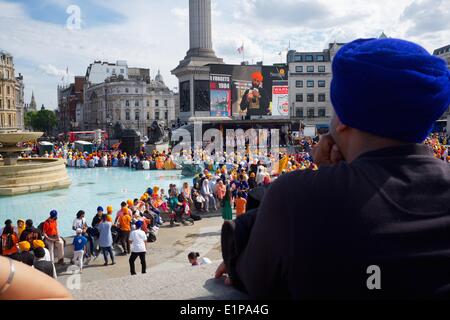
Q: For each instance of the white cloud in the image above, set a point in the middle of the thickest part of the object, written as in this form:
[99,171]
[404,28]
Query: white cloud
[154,34]
[51,70]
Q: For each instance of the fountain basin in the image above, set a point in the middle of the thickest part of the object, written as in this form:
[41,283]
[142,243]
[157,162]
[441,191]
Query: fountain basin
[33,175]
[13,138]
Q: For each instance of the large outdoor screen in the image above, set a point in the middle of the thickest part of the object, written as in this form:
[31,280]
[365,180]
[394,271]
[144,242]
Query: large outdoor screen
[233,92]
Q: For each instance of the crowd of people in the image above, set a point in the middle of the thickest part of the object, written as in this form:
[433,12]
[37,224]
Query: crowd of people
[439,144]
[137,221]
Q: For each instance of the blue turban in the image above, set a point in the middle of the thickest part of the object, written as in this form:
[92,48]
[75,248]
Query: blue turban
[139,224]
[100,209]
[389,87]
[53,214]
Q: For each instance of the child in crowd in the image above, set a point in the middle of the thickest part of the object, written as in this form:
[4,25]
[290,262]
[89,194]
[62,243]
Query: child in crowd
[195,260]
[79,244]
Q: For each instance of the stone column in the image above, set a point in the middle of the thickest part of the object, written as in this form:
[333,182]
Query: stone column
[200,28]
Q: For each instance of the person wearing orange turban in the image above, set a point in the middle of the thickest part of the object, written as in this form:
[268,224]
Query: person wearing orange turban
[255,101]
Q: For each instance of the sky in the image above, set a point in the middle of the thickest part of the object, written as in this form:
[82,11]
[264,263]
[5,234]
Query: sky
[155,34]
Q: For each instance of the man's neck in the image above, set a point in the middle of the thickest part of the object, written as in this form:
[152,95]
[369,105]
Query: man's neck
[358,149]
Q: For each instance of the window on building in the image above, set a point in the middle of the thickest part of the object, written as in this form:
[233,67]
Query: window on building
[148,115]
[127,103]
[299,84]
[310,69]
[127,115]
[136,103]
[320,58]
[322,97]
[8,90]
[297,58]
[322,112]
[321,83]
[148,103]
[309,58]
[299,113]
[310,83]
[166,103]
[122,71]
[156,103]
[1,104]
[310,112]
[166,115]
[299,69]
[299,97]
[118,90]
[321,69]
[137,115]
[136,90]
[157,115]
[126,90]
[10,120]
[310,97]
[8,104]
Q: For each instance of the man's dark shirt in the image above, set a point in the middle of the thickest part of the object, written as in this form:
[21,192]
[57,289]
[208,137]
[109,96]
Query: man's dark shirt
[264,104]
[316,233]
[96,220]
[44,266]
[25,257]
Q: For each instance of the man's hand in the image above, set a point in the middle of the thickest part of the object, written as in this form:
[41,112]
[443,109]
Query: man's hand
[327,152]
[222,271]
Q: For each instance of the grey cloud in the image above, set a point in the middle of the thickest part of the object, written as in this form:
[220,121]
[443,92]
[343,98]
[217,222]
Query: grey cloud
[427,16]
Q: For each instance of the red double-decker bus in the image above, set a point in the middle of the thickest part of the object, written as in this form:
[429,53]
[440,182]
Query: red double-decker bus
[88,136]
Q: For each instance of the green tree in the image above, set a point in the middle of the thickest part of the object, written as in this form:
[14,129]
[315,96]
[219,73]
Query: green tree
[28,118]
[44,120]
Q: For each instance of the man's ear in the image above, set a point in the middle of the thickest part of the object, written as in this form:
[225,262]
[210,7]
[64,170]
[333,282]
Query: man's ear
[340,127]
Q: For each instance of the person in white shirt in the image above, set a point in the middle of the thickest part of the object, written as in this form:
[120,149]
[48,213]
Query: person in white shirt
[80,222]
[195,260]
[146,164]
[138,240]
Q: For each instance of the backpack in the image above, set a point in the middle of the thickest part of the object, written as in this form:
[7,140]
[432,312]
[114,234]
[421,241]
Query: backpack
[41,227]
[151,237]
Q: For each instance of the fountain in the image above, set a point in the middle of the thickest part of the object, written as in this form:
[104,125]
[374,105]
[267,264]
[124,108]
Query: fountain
[22,176]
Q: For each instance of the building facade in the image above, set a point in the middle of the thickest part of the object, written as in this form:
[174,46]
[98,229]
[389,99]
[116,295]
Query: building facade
[135,104]
[8,109]
[310,75]
[69,98]
[444,53]
[98,71]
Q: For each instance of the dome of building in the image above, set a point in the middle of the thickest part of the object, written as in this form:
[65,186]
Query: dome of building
[159,77]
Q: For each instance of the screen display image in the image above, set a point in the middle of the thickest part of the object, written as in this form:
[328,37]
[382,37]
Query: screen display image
[220,90]
[255,90]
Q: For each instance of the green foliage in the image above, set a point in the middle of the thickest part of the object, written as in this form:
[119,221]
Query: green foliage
[43,120]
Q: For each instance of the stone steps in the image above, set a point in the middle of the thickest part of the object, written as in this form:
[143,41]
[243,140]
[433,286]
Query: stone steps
[176,283]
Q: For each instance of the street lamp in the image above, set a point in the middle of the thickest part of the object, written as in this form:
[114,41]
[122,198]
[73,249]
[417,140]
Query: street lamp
[109,125]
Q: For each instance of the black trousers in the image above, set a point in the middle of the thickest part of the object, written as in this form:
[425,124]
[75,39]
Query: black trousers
[124,235]
[133,258]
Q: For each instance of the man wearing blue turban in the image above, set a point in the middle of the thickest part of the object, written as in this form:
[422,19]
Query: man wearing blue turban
[374,221]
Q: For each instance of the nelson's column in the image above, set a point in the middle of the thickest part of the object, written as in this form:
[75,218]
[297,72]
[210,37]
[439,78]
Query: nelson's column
[193,72]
